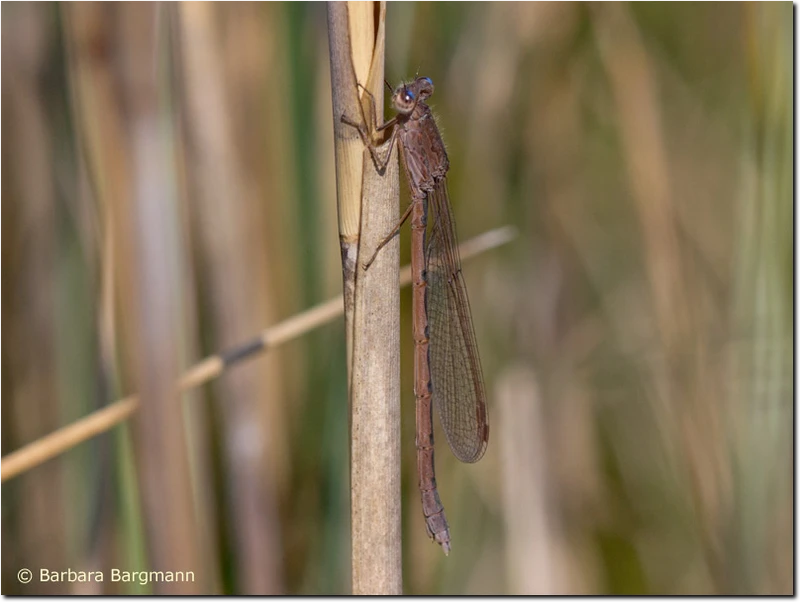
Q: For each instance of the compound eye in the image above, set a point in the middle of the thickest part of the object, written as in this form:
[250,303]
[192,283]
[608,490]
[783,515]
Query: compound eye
[408,96]
[429,80]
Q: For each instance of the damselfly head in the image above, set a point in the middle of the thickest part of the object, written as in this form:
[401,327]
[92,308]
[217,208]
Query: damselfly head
[404,99]
[424,86]
[406,96]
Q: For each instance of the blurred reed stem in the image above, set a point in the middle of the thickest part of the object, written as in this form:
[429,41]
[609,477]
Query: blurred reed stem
[162,460]
[238,296]
[33,511]
[50,446]
[149,294]
[761,367]
[105,166]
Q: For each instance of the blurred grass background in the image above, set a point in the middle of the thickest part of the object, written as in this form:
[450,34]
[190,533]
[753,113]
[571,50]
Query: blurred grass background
[636,338]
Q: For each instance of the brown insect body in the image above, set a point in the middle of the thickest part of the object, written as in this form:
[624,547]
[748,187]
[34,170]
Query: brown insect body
[444,340]
[424,156]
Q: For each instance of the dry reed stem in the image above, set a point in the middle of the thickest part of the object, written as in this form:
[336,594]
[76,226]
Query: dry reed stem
[348,61]
[375,399]
[371,301]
